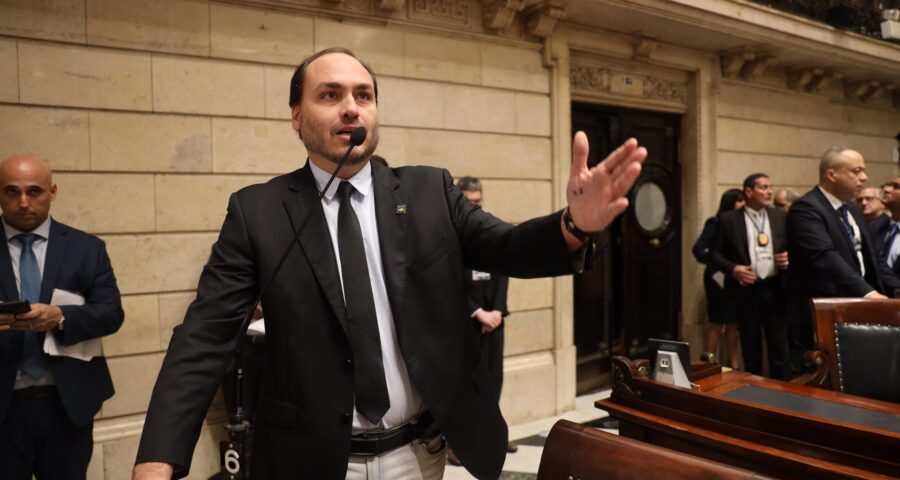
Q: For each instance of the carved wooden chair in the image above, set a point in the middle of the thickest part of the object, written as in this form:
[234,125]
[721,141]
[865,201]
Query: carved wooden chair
[857,347]
[574,451]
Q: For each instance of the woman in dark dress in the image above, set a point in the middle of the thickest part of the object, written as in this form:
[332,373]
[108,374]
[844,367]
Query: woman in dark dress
[722,317]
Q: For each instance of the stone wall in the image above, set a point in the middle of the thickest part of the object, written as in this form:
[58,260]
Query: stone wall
[152,112]
[766,128]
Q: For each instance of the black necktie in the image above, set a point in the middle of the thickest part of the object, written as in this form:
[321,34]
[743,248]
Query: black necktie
[371,390]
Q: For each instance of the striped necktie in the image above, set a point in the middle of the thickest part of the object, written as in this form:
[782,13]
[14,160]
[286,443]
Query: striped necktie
[34,363]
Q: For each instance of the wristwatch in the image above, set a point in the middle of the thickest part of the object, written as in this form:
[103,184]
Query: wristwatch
[570,226]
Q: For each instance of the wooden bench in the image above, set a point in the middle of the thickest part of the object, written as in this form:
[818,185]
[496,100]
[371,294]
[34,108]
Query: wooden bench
[577,452]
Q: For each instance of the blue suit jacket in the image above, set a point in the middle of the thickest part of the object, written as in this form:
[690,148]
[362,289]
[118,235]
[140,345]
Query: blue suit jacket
[76,262]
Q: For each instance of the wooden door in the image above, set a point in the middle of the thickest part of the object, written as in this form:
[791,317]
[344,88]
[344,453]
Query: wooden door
[634,291]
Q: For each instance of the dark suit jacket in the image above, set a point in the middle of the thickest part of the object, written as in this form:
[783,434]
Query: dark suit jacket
[879,229]
[730,248]
[76,262]
[487,294]
[823,263]
[303,423]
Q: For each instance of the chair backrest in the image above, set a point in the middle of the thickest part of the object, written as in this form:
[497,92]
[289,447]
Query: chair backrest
[861,342]
[574,451]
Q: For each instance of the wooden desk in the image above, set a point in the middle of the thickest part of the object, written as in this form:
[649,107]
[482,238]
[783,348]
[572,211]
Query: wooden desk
[775,428]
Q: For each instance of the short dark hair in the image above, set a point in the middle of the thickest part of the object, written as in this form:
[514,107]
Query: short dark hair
[469,184]
[300,73]
[750,181]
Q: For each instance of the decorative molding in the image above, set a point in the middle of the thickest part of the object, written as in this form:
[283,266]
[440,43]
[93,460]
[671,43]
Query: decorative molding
[667,90]
[733,62]
[447,12]
[756,67]
[498,14]
[607,82]
[812,79]
[540,18]
[824,80]
[862,90]
[390,5]
[878,90]
[589,78]
[643,47]
[802,78]
[746,64]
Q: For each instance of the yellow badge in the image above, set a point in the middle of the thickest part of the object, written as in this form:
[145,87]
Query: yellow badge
[763,239]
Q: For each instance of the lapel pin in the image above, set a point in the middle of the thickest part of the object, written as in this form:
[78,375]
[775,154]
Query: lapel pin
[401,209]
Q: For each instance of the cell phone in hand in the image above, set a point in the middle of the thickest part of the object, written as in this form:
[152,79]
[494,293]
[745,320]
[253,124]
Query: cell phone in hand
[15,307]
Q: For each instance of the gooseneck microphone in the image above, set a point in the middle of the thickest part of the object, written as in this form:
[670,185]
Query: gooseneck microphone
[357,137]
[233,449]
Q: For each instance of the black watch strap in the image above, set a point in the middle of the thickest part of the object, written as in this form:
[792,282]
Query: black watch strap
[570,226]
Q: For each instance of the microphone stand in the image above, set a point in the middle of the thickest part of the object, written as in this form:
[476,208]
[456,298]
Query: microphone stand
[232,451]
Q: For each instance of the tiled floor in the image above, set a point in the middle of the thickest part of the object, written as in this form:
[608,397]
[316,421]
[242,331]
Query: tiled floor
[523,465]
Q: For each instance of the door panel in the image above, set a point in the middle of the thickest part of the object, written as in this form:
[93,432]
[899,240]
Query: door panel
[634,291]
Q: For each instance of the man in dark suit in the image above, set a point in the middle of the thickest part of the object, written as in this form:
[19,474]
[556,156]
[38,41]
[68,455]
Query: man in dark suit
[364,371]
[886,233]
[487,306]
[831,251]
[751,245]
[48,403]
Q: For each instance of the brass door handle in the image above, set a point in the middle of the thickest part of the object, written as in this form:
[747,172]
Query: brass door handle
[654,242]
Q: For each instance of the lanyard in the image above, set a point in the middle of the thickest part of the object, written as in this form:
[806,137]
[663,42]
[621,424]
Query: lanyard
[761,238]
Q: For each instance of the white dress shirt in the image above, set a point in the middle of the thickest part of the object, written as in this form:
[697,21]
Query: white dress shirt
[762,257]
[39,247]
[406,402]
[836,203]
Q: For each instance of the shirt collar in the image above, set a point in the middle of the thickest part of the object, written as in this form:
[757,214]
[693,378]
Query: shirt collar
[835,202]
[43,230]
[755,213]
[362,181]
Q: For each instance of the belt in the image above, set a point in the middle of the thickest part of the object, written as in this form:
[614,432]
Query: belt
[378,442]
[36,391]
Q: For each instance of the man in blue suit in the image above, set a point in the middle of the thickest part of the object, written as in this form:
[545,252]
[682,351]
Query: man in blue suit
[48,403]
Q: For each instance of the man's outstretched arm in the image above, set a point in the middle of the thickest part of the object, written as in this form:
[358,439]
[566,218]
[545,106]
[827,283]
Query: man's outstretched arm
[596,195]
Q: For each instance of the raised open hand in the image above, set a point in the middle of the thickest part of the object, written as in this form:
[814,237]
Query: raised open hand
[596,196]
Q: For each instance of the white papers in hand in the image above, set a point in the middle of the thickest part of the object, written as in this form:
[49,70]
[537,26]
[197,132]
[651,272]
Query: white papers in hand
[257,328]
[85,350]
[719,278]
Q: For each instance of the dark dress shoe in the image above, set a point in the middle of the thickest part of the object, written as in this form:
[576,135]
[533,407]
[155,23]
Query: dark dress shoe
[512,447]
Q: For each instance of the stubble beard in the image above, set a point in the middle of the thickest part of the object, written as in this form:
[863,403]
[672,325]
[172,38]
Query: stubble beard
[315,141]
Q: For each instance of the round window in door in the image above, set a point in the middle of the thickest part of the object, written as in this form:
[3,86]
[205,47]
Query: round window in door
[650,208]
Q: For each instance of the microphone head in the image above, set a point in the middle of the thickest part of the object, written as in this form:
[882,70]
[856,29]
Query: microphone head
[358,136]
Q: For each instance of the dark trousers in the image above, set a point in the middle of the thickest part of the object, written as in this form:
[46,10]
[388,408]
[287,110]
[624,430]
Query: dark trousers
[800,339]
[492,355]
[762,312]
[37,437]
